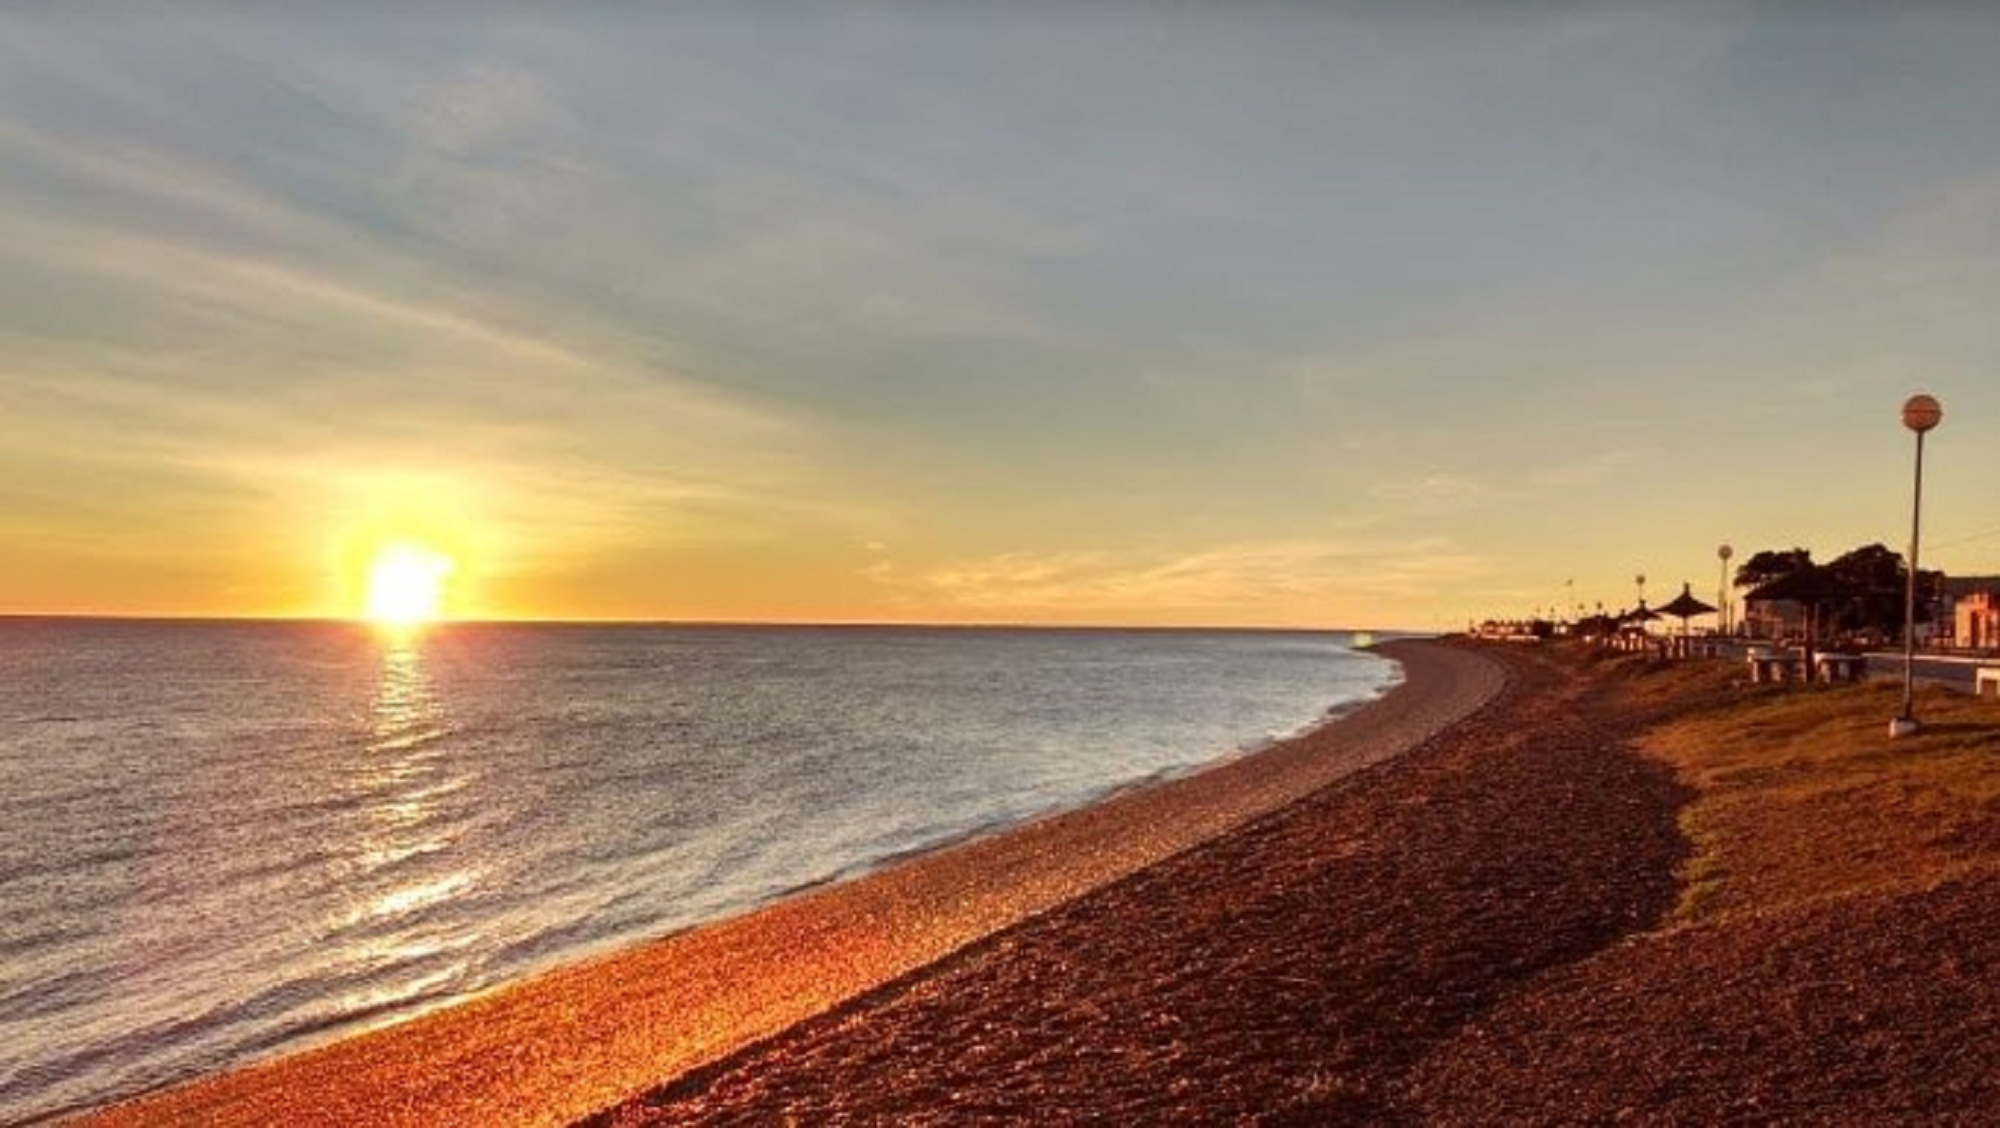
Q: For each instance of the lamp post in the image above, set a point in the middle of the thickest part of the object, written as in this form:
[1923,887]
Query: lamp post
[1920,414]
[1722,588]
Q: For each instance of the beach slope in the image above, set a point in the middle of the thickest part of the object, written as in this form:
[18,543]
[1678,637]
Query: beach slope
[1626,890]
[584,1038]
[1292,971]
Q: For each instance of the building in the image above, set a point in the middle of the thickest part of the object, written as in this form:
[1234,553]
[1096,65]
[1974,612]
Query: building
[1974,604]
[1796,605]
[1773,618]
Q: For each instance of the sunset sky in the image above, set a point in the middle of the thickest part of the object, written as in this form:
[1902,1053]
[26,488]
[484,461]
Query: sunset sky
[1279,314]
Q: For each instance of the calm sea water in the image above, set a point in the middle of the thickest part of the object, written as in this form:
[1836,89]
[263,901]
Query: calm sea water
[223,841]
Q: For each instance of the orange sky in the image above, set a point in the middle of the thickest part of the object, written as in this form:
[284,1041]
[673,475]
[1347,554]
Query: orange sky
[1298,317]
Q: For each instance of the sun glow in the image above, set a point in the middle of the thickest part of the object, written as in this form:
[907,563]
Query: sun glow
[406,585]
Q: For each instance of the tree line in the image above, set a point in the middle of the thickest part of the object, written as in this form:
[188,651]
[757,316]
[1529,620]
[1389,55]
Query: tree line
[1862,590]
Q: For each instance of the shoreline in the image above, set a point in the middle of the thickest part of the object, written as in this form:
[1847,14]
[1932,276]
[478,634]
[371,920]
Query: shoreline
[580,1039]
[1296,970]
[1624,889]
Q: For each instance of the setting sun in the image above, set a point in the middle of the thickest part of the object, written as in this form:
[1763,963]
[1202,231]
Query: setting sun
[406,585]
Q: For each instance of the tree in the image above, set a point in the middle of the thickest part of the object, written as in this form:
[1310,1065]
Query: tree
[1930,588]
[1873,578]
[1770,564]
[1862,590]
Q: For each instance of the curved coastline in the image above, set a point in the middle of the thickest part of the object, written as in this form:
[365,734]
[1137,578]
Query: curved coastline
[582,1038]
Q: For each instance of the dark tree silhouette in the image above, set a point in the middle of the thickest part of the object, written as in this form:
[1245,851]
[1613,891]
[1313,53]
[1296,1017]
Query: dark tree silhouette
[1772,564]
[1874,578]
[1862,590]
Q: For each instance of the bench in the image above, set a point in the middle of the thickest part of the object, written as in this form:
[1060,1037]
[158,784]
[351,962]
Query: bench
[1986,677]
[1839,667]
[1775,667]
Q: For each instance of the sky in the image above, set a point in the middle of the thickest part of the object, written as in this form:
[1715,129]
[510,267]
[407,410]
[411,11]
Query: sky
[1271,314]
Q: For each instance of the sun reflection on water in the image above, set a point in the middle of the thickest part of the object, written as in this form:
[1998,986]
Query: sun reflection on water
[398,933]
[404,695]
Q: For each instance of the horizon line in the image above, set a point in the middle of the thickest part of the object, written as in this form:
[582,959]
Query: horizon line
[854,624]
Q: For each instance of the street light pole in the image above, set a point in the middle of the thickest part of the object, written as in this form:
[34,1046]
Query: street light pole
[1722,587]
[1920,414]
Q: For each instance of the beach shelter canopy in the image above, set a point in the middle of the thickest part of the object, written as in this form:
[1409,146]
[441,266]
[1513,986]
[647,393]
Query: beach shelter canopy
[1641,615]
[1815,588]
[1597,624]
[1685,606]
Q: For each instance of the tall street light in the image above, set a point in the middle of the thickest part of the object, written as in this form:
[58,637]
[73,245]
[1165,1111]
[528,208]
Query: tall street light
[1722,587]
[1920,414]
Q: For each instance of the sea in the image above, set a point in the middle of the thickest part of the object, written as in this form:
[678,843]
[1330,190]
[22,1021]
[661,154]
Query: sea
[224,841]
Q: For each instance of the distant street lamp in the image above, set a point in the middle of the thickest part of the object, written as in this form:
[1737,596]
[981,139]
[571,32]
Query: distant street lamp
[1920,414]
[1722,588]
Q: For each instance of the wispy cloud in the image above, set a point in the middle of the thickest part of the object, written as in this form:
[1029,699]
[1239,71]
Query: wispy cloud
[1434,492]
[1229,581]
[1590,468]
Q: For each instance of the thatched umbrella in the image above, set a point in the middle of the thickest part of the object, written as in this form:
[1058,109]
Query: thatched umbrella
[1685,606]
[1640,616]
[1813,588]
[1632,624]
[1597,626]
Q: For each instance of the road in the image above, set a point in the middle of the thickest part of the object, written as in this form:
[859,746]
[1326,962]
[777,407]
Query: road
[1954,672]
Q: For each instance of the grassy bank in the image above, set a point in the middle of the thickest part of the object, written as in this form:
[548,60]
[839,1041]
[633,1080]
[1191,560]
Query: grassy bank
[1801,795]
